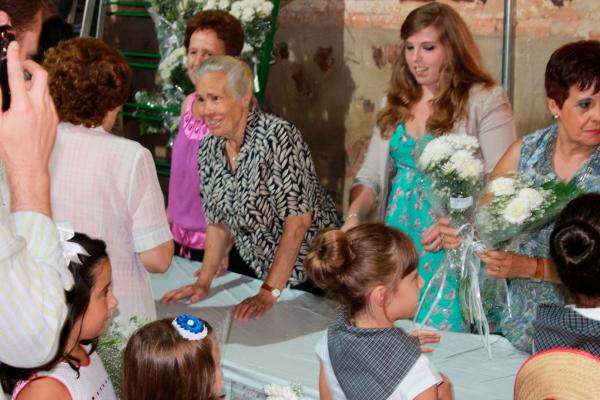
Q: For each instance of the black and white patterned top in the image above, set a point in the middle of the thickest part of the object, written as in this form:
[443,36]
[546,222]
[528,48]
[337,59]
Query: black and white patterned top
[274,178]
[558,326]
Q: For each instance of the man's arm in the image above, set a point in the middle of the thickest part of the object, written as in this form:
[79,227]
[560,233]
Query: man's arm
[33,273]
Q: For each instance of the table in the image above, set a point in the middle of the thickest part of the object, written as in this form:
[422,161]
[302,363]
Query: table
[279,348]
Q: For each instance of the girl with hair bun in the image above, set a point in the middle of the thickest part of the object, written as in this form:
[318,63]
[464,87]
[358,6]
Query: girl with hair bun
[372,271]
[575,251]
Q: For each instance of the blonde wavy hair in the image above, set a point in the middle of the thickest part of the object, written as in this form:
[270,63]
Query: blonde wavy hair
[462,69]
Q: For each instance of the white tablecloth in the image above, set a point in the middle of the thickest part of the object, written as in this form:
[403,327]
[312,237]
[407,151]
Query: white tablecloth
[279,348]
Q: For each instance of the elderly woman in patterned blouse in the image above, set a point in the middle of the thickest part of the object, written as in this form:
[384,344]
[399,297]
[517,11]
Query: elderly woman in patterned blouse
[259,188]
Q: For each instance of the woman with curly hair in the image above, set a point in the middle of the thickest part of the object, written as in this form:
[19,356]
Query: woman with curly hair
[438,87]
[106,185]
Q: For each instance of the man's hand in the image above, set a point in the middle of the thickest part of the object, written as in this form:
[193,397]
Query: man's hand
[27,133]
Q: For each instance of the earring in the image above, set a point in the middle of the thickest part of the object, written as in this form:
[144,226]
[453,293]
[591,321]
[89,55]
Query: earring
[556,116]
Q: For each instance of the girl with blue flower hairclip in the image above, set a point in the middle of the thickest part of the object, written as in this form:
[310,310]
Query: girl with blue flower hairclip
[76,372]
[173,359]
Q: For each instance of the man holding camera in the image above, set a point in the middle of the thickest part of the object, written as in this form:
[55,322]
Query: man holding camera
[33,272]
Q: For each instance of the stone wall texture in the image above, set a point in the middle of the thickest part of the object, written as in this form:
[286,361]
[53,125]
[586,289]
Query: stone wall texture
[334,57]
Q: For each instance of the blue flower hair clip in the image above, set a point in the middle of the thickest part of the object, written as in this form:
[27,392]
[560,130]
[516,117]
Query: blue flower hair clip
[190,327]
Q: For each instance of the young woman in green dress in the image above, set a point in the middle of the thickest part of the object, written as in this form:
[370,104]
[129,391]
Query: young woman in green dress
[438,87]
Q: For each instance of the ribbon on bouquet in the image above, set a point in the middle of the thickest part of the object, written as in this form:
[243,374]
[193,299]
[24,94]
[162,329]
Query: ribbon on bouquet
[462,264]
[470,298]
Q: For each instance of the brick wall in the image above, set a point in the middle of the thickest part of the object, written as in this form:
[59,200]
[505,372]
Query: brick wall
[334,60]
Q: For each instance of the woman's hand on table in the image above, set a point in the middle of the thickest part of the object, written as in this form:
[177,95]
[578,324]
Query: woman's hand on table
[500,264]
[440,235]
[426,336]
[194,292]
[256,305]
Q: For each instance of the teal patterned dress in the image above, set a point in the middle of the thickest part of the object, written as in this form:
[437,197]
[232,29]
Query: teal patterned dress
[536,162]
[409,210]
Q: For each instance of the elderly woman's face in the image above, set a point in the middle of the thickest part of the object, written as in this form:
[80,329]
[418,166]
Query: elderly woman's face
[579,117]
[203,44]
[222,111]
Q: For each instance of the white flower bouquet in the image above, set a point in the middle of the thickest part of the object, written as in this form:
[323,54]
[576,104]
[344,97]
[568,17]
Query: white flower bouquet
[111,346]
[454,175]
[512,206]
[454,180]
[169,17]
[515,205]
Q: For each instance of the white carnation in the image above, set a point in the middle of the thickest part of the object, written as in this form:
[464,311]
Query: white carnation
[266,9]
[210,5]
[533,197]
[517,210]
[462,141]
[502,186]
[247,15]
[435,151]
[471,168]
[464,164]
[224,4]
[236,9]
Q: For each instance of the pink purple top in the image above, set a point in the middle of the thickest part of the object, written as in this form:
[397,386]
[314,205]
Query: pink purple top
[185,205]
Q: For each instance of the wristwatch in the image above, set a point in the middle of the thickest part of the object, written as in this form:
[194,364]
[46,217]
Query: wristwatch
[274,291]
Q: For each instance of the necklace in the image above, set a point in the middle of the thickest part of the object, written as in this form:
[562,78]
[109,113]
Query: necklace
[228,151]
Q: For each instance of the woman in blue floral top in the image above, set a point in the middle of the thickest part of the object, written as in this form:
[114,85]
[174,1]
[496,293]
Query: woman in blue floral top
[567,151]
[438,87]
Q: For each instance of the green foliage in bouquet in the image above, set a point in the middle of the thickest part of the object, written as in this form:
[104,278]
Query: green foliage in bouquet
[111,346]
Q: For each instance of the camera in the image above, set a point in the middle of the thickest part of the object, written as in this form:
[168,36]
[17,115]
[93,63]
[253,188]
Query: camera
[7,35]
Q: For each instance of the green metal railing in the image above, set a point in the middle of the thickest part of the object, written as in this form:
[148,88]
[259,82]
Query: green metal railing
[163,168]
[142,4]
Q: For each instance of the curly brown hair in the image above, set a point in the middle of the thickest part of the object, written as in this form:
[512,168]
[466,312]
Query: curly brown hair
[226,26]
[87,79]
[461,71]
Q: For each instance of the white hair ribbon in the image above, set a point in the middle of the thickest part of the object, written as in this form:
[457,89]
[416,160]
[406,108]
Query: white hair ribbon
[70,250]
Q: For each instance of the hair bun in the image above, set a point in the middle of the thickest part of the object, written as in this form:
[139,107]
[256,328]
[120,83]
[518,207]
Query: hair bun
[575,244]
[329,255]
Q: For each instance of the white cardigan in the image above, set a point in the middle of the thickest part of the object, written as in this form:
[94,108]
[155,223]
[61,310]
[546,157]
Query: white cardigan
[489,118]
